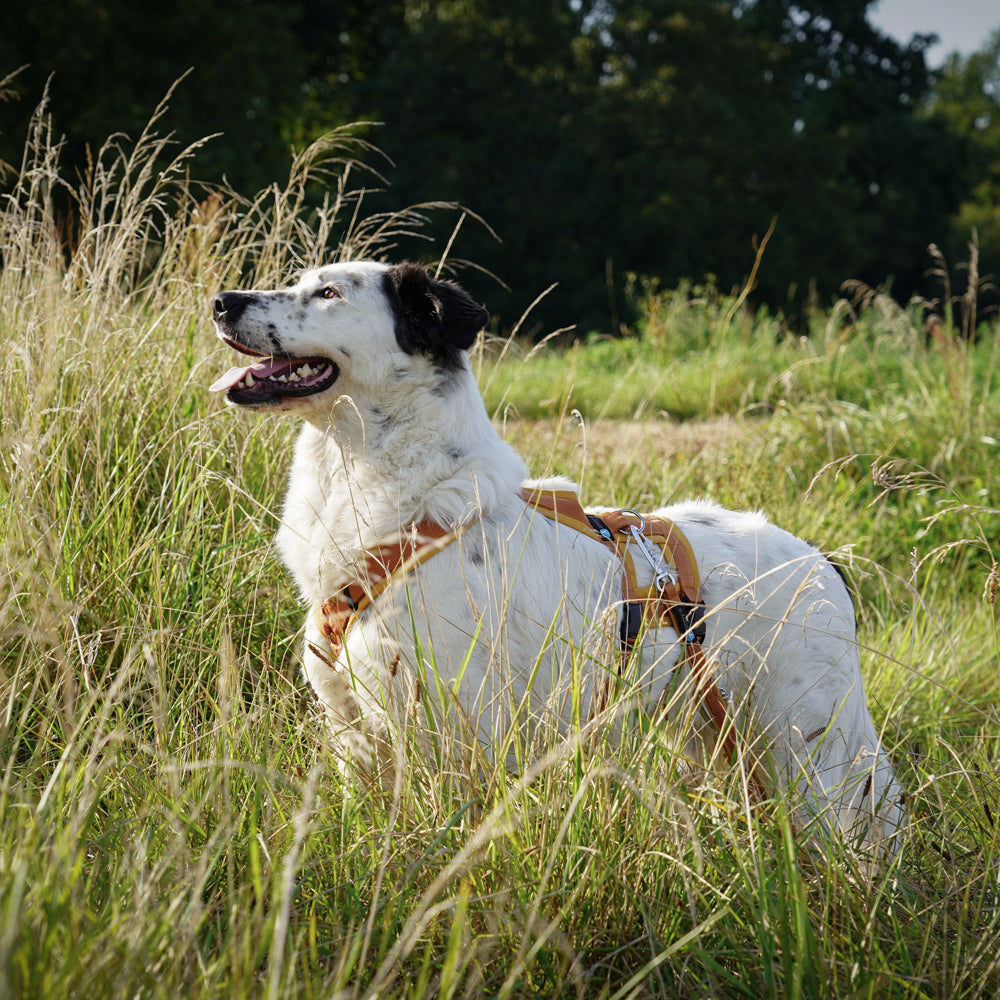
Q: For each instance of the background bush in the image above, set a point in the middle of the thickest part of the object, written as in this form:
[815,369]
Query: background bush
[597,139]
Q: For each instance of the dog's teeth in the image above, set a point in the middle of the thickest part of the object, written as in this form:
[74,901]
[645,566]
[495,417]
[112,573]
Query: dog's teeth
[294,377]
[249,381]
[282,378]
[305,370]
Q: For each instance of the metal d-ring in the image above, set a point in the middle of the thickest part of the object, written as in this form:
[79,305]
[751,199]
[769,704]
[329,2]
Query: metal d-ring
[626,529]
[663,572]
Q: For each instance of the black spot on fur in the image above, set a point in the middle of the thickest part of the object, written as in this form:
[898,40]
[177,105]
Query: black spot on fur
[476,556]
[708,521]
[434,318]
[381,424]
[841,572]
[846,580]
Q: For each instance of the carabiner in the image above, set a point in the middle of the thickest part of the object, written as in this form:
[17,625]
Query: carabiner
[663,572]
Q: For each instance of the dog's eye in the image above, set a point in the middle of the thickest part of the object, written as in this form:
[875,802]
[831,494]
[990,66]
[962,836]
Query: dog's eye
[328,292]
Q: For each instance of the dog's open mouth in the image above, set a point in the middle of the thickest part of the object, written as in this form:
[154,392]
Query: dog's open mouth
[274,379]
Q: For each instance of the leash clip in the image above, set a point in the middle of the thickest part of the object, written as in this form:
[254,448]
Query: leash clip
[663,572]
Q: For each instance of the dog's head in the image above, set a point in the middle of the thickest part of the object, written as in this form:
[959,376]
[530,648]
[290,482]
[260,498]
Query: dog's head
[336,330]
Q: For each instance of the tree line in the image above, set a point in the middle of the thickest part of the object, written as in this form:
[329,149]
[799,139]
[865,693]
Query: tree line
[597,138]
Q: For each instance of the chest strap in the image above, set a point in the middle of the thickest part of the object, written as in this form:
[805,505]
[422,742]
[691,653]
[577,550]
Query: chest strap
[381,566]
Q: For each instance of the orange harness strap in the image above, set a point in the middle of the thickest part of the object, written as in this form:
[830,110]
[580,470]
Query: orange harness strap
[382,564]
[675,601]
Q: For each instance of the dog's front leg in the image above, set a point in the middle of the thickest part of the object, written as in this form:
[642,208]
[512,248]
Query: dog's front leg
[347,689]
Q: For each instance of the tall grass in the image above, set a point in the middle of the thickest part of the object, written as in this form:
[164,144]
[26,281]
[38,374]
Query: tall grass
[171,820]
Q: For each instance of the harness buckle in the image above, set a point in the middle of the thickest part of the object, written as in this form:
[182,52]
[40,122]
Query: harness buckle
[690,619]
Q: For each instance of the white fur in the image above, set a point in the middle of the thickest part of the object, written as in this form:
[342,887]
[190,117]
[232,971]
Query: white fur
[515,616]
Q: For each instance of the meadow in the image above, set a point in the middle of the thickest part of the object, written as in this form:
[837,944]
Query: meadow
[172,822]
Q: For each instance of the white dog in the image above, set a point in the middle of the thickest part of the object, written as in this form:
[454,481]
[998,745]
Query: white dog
[506,625]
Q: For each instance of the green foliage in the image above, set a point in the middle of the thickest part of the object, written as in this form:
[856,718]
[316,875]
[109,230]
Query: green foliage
[967,102]
[107,64]
[596,139]
[679,129]
[172,822]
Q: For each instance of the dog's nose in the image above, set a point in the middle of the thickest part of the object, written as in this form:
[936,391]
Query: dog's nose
[229,305]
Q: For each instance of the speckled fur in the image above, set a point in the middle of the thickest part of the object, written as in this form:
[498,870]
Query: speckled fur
[402,436]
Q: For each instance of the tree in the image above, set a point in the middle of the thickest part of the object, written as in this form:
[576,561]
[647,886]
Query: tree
[487,104]
[661,137]
[873,182]
[109,63]
[596,137]
[966,106]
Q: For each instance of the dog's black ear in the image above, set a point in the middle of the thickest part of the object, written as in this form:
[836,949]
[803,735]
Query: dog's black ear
[436,318]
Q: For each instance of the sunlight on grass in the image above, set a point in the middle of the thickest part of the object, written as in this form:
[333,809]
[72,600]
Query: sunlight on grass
[172,821]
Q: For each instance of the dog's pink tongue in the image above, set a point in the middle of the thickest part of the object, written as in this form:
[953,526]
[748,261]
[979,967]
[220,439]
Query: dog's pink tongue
[227,381]
[259,370]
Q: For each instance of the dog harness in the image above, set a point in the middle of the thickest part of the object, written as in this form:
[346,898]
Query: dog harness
[383,564]
[672,598]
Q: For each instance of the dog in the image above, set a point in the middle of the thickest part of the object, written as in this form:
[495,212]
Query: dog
[513,623]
